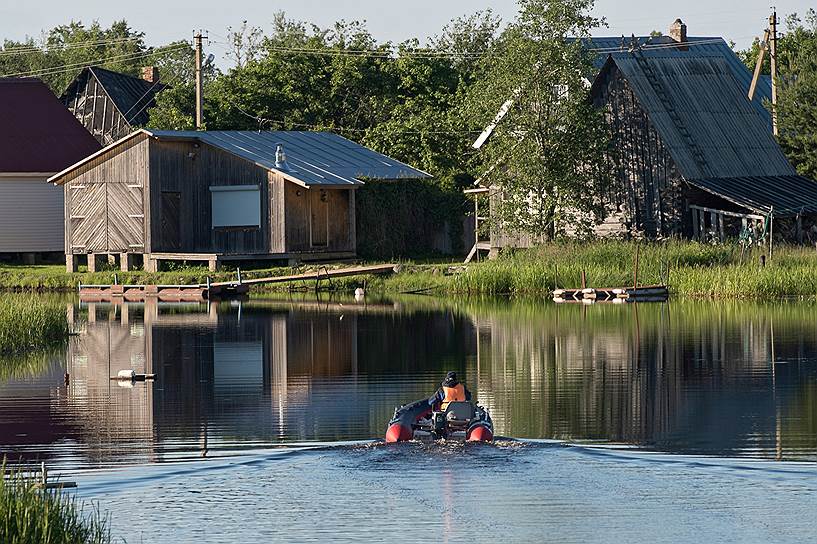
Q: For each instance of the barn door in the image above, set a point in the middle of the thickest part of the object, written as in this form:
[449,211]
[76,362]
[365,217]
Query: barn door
[319,220]
[171,221]
[126,218]
[89,229]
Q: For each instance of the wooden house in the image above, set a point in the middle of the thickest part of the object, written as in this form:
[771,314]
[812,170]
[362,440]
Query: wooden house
[694,156]
[112,105]
[219,196]
[38,137]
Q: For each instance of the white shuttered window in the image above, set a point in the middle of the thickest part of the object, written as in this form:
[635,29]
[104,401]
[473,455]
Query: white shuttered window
[236,206]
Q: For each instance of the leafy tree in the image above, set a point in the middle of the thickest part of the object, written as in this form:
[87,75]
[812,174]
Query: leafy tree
[547,157]
[797,99]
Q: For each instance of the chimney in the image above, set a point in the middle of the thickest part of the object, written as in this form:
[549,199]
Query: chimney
[678,32]
[150,74]
[281,158]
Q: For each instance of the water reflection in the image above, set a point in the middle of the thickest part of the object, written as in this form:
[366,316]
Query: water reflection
[726,379]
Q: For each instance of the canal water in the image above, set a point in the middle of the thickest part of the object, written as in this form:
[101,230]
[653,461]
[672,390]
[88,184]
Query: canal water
[687,421]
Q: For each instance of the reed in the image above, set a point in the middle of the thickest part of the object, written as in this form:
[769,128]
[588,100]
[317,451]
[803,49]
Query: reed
[30,323]
[30,514]
[690,268]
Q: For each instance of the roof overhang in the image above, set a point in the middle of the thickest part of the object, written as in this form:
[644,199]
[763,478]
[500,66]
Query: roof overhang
[782,196]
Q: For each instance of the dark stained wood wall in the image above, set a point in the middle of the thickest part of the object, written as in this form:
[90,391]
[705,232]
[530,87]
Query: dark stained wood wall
[308,210]
[191,169]
[649,189]
[96,111]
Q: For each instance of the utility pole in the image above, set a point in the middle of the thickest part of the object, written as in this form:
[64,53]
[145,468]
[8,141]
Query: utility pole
[197,37]
[773,32]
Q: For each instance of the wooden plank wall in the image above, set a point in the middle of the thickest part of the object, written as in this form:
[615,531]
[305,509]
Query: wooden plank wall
[190,169]
[104,219]
[649,188]
[89,103]
[300,203]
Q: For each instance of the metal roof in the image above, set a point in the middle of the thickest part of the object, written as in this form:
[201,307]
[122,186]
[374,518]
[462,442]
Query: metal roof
[788,195]
[313,158]
[698,47]
[37,132]
[702,115]
[133,96]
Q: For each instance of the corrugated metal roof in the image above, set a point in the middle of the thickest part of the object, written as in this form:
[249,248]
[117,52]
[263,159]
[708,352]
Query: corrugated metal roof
[133,96]
[314,158]
[37,132]
[699,47]
[708,125]
[789,195]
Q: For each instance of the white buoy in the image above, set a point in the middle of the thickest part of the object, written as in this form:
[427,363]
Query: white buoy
[128,374]
[360,294]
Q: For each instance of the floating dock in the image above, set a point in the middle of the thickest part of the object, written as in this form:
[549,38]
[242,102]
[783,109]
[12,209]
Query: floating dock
[620,295]
[217,290]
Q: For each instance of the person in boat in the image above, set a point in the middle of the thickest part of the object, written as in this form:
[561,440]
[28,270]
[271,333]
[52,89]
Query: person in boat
[451,390]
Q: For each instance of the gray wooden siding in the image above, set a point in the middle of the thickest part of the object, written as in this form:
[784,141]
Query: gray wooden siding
[191,169]
[31,216]
[319,219]
[104,201]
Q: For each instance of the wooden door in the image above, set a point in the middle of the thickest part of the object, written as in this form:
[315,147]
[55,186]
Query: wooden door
[88,217]
[171,235]
[126,218]
[319,220]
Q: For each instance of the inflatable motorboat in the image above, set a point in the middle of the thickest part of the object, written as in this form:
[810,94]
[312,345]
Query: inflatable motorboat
[458,420]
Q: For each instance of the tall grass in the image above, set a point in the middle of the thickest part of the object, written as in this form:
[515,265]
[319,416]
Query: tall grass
[690,269]
[30,323]
[30,514]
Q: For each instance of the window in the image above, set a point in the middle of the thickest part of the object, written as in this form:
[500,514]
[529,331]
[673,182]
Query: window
[236,206]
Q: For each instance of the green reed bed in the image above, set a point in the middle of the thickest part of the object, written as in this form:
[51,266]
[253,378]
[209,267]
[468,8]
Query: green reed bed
[30,514]
[30,323]
[690,268]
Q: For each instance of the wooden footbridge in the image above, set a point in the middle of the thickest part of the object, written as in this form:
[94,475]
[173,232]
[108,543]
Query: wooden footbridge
[218,290]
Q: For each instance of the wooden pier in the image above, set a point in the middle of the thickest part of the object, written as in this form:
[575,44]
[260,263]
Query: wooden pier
[589,295]
[217,290]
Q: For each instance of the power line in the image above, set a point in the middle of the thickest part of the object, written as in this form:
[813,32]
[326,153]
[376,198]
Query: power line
[28,49]
[71,67]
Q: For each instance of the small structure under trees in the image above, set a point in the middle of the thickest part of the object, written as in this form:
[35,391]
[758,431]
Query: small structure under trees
[219,196]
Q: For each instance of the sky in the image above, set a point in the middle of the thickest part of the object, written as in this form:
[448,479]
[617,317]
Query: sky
[168,20]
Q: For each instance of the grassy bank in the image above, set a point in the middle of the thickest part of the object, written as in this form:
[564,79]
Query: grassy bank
[29,514]
[695,269]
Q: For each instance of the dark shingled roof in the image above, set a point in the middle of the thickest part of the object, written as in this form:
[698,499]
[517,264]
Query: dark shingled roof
[786,196]
[37,132]
[702,115]
[133,96]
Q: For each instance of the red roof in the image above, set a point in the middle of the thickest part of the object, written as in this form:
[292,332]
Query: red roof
[37,132]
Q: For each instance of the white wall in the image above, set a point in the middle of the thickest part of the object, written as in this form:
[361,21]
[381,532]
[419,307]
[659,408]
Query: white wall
[31,215]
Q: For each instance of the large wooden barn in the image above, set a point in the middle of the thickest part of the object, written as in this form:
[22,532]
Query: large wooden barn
[38,137]
[219,196]
[694,156]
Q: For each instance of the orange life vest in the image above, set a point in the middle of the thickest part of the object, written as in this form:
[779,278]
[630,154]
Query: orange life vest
[453,394]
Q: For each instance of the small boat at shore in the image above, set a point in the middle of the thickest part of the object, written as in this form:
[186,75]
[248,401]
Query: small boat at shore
[459,420]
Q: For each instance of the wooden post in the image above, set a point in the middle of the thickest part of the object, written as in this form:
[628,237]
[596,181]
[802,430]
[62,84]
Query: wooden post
[213,264]
[694,223]
[721,233]
[149,263]
[199,102]
[584,280]
[800,228]
[126,262]
[713,219]
[92,262]
[773,55]
[771,232]
[71,263]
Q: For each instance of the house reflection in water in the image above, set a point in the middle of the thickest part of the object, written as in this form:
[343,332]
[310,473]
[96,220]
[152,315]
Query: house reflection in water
[692,377]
